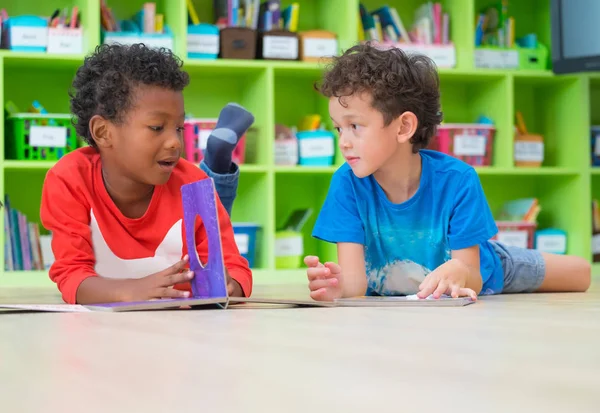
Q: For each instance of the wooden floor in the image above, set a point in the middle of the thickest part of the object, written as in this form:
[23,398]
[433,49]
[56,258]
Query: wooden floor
[520,353]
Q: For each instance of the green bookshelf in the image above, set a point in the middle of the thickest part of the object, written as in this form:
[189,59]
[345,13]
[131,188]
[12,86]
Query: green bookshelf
[562,108]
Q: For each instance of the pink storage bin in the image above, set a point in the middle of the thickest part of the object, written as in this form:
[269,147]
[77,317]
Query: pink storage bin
[195,134]
[516,233]
[472,143]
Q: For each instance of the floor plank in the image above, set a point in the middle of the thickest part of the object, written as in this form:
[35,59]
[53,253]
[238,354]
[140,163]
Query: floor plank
[517,353]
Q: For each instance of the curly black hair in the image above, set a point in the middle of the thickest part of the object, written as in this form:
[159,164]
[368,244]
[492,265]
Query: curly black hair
[103,84]
[397,81]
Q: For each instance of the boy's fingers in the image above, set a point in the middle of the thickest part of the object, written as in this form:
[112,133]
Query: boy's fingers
[467,292]
[311,261]
[333,267]
[177,267]
[441,289]
[427,289]
[167,292]
[318,284]
[320,295]
[318,273]
[177,278]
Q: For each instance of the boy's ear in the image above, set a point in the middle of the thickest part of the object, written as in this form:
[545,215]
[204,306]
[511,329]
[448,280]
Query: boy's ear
[100,129]
[407,124]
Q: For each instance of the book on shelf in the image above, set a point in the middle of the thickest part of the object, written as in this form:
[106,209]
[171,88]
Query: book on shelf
[430,26]
[25,248]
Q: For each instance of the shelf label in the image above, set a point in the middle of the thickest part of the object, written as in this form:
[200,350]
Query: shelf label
[315,47]
[286,152]
[203,43]
[529,151]
[242,241]
[316,147]
[203,135]
[29,36]
[596,244]
[513,238]
[442,55]
[61,41]
[597,146]
[48,136]
[280,47]
[497,59]
[469,145]
[551,243]
[289,246]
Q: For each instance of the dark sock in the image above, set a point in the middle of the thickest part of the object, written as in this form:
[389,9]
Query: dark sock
[233,122]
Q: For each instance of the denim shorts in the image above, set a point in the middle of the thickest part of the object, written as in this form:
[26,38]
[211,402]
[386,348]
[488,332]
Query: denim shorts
[524,269]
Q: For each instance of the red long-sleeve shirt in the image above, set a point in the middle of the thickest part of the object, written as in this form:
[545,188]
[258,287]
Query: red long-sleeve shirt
[90,235]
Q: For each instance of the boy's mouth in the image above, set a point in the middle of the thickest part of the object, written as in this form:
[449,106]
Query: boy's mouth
[168,163]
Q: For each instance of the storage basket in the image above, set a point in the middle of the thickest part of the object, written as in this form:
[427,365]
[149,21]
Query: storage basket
[33,136]
[472,143]
[516,233]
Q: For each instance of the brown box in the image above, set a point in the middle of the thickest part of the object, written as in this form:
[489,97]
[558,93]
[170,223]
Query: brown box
[238,43]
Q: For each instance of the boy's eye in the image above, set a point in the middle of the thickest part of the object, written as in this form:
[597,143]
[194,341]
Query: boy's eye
[156,128]
[354,126]
[180,129]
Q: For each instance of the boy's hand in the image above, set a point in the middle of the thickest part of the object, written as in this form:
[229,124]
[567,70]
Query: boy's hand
[158,285]
[234,289]
[450,279]
[323,280]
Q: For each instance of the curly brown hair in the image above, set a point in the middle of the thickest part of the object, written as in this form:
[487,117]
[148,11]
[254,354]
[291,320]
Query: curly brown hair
[397,81]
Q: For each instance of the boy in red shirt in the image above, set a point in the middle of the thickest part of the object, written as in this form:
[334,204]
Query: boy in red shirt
[114,208]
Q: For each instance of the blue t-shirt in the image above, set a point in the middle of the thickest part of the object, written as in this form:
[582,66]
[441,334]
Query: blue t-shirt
[405,242]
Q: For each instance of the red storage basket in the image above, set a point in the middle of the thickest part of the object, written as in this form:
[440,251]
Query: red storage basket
[472,143]
[516,233]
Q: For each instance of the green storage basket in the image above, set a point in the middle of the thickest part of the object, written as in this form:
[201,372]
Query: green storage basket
[17,141]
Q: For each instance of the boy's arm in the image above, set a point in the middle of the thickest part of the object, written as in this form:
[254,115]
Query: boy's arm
[65,213]
[471,223]
[460,276]
[353,277]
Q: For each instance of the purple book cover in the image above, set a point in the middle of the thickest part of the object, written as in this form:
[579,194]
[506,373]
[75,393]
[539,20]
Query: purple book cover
[209,280]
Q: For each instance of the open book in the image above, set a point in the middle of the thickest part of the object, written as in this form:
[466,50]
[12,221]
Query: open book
[209,285]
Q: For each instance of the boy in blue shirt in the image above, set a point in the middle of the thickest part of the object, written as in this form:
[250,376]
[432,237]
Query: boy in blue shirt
[407,220]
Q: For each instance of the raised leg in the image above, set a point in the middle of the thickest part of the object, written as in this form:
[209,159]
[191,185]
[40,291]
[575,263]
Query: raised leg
[565,273]
[199,199]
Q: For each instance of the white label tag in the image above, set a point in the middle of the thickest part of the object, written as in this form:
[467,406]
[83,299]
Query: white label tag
[529,151]
[289,246]
[64,43]
[316,147]
[443,56]
[596,244]
[203,135]
[597,146]
[280,47]
[513,238]
[551,243]
[469,145]
[157,42]
[500,59]
[203,43]
[242,241]
[286,152]
[124,40]
[27,36]
[48,136]
[315,47]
